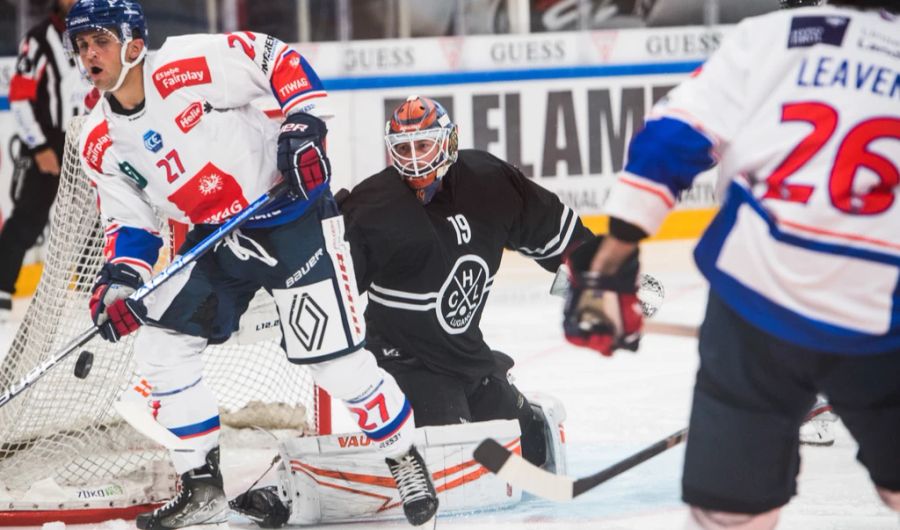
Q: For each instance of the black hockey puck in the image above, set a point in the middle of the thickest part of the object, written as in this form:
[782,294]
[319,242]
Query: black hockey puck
[83,364]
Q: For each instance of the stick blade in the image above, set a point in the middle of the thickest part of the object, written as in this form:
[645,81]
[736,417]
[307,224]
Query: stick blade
[491,455]
[518,472]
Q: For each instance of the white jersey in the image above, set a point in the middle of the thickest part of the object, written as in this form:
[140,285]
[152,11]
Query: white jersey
[197,150]
[801,108]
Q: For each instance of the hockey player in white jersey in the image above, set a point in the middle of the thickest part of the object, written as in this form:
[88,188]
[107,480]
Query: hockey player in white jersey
[801,109]
[177,132]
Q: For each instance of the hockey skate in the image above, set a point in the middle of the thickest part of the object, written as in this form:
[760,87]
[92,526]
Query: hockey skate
[200,500]
[413,480]
[817,426]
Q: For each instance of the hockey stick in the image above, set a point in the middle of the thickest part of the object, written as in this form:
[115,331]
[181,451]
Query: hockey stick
[519,472]
[670,328]
[173,268]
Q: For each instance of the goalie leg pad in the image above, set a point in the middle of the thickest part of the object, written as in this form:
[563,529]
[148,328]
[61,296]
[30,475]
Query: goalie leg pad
[343,477]
[553,413]
[180,400]
[373,396]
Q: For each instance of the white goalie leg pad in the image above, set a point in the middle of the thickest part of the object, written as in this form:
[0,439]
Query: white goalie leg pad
[343,477]
[700,519]
[373,396]
[180,400]
[554,414]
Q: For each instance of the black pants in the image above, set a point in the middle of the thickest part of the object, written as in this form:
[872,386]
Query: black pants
[752,393]
[209,300]
[25,223]
[441,399]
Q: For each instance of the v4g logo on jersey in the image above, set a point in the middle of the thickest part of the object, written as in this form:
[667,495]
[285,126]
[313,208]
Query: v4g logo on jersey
[463,293]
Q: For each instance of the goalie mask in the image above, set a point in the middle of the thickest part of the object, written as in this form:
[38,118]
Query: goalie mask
[123,19]
[422,144]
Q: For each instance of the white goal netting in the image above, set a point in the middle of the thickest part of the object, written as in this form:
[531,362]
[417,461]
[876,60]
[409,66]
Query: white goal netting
[62,435]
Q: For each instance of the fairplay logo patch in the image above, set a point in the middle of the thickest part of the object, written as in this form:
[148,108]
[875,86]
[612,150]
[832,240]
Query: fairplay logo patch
[179,74]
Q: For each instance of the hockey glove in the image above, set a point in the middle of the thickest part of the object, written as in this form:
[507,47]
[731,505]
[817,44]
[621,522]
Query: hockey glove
[602,312]
[301,153]
[114,315]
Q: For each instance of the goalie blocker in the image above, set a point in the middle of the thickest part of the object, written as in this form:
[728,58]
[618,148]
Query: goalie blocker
[341,478]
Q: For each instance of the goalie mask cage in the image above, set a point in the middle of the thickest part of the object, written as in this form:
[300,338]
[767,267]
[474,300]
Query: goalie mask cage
[65,454]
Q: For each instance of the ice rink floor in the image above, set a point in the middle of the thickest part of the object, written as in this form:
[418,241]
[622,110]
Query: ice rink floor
[617,406]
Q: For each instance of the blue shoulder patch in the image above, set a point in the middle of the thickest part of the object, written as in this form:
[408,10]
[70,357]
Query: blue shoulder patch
[811,30]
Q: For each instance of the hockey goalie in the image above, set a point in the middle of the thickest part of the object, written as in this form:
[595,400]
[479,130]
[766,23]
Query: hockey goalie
[340,478]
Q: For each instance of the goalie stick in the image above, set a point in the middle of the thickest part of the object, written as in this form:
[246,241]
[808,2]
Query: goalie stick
[519,472]
[173,268]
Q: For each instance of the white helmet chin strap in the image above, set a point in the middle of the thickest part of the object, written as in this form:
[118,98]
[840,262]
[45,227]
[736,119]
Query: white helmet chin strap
[126,66]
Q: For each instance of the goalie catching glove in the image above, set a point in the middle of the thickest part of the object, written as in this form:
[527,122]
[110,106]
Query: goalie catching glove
[301,153]
[114,315]
[602,312]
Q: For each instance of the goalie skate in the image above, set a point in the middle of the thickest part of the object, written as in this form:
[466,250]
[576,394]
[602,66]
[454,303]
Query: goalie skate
[817,427]
[200,500]
[416,489]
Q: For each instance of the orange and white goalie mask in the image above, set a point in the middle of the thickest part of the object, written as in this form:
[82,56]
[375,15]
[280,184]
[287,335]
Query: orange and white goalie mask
[422,143]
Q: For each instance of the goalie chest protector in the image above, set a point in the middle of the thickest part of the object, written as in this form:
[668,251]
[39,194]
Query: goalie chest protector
[428,269]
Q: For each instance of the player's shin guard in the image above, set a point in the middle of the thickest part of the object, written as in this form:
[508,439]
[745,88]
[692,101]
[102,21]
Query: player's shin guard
[373,396]
[700,519]
[180,399]
[552,414]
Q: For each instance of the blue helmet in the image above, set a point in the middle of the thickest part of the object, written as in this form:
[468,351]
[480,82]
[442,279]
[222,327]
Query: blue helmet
[124,17]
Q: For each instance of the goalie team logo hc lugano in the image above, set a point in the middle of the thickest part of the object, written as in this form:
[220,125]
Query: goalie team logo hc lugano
[462,294]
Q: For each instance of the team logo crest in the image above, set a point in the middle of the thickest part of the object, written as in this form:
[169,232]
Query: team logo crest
[462,294]
[153,141]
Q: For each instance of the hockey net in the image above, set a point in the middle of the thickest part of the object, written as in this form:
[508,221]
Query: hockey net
[65,454]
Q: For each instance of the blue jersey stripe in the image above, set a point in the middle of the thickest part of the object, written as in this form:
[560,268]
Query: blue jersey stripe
[388,430]
[670,152]
[777,320]
[136,243]
[197,429]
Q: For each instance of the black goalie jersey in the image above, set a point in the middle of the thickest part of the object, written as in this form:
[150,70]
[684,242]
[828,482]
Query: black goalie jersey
[428,269]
